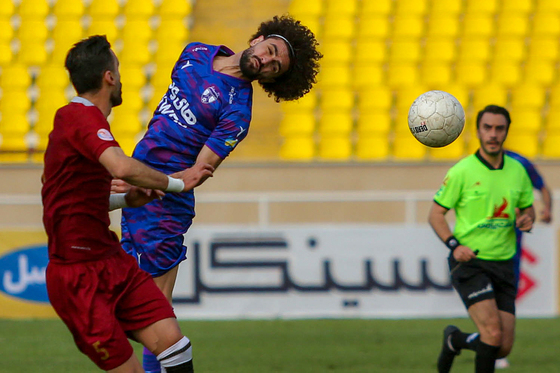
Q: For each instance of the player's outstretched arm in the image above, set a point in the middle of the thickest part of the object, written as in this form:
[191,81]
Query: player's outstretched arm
[134,172]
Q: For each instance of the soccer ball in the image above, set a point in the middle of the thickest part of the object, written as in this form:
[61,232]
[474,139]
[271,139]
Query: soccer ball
[436,118]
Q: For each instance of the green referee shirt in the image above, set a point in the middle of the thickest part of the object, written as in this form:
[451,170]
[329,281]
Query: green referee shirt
[484,200]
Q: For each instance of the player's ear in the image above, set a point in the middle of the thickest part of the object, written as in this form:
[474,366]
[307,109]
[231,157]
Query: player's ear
[109,77]
[256,41]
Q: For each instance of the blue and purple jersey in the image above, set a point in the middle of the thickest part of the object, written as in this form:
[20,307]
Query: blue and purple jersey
[201,107]
[536,178]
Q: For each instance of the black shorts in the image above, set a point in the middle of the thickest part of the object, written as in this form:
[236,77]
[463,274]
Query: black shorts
[478,280]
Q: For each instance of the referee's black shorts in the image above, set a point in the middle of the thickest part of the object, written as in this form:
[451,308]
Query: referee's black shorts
[478,280]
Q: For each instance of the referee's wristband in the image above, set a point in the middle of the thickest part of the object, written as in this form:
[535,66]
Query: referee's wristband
[452,243]
[175,185]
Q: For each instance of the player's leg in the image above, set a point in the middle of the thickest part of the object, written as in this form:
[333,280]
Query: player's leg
[508,333]
[487,319]
[165,340]
[132,365]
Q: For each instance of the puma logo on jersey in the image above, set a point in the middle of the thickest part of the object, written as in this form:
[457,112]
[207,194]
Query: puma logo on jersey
[241,130]
[188,64]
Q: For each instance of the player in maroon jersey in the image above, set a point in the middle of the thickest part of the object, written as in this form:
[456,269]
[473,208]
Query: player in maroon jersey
[95,287]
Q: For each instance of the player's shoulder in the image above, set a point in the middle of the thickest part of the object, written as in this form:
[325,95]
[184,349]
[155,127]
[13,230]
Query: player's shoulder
[516,164]
[517,158]
[464,164]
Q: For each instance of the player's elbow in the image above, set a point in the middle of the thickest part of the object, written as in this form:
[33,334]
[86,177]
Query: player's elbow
[122,170]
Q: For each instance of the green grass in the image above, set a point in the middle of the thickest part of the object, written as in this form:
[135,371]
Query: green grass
[306,346]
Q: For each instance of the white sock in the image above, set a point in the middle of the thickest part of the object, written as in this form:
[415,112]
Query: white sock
[179,353]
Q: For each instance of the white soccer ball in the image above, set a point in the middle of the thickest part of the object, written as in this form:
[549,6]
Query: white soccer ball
[436,118]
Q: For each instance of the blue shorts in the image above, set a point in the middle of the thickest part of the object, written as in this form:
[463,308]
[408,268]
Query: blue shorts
[153,233]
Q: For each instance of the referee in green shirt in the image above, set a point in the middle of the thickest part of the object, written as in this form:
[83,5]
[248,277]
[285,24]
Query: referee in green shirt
[484,189]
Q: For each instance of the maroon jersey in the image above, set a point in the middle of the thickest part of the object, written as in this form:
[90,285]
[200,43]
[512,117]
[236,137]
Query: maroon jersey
[77,187]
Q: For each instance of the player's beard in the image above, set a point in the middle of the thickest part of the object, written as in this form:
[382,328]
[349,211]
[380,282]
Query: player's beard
[246,64]
[493,153]
[116,97]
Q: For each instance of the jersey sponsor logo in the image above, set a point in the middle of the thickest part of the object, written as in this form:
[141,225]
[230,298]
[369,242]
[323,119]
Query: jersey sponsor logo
[200,49]
[499,211]
[105,135]
[209,95]
[22,273]
[176,108]
[232,94]
[231,143]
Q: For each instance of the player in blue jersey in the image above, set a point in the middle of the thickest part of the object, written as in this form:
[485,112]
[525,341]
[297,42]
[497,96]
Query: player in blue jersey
[546,217]
[203,116]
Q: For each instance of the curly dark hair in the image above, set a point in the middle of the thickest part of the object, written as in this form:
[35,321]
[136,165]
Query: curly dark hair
[299,79]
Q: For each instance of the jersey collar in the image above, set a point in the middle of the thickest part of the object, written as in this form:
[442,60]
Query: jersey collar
[488,165]
[83,101]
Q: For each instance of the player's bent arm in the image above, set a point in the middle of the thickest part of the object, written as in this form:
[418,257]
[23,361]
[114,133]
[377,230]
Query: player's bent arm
[436,218]
[525,219]
[207,156]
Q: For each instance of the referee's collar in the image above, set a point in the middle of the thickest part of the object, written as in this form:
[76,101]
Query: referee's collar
[83,101]
[488,165]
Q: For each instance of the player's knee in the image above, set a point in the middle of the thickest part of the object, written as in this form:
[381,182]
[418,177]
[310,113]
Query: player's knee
[492,334]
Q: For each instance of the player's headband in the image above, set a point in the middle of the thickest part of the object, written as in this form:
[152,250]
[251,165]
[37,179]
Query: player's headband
[292,53]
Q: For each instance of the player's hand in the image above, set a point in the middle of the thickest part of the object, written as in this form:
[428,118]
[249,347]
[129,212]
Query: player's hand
[119,186]
[136,196]
[194,176]
[524,223]
[546,215]
[463,254]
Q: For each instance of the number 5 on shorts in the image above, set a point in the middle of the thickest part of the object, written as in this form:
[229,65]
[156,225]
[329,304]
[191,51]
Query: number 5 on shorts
[101,350]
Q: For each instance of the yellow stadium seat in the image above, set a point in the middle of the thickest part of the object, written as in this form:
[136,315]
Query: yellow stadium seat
[13,149]
[156,98]
[453,151]
[554,100]
[52,77]
[15,101]
[32,54]
[6,30]
[103,9]
[6,9]
[341,8]
[506,73]
[336,51]
[417,7]
[172,30]
[15,76]
[370,51]
[135,52]
[517,6]
[33,30]
[306,7]
[313,23]
[367,75]
[408,26]
[176,8]
[33,9]
[528,96]
[509,49]
[161,79]
[335,148]
[167,54]
[125,122]
[373,123]
[552,123]
[478,25]
[68,31]
[489,94]
[407,148]
[443,25]
[380,7]
[339,27]
[481,6]
[551,145]
[68,9]
[435,74]
[548,6]
[372,148]
[406,96]
[139,9]
[402,50]
[528,144]
[460,92]
[305,103]
[525,120]
[127,142]
[300,148]
[546,24]
[473,144]
[297,124]
[440,49]
[104,26]
[470,74]
[337,99]
[337,122]
[543,48]
[447,7]
[474,49]
[334,76]
[513,24]
[132,100]
[377,98]
[132,77]
[373,26]
[137,30]
[14,123]
[402,74]
[6,55]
